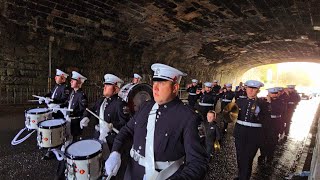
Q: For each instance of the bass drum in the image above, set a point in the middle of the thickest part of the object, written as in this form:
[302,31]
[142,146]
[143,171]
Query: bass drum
[135,95]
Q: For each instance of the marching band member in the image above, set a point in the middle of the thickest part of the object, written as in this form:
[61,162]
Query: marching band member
[206,100]
[216,89]
[136,78]
[248,132]
[59,94]
[293,101]
[78,102]
[115,114]
[226,98]
[192,89]
[272,127]
[165,137]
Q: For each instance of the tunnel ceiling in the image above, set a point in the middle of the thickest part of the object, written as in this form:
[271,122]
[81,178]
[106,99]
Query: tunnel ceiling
[219,33]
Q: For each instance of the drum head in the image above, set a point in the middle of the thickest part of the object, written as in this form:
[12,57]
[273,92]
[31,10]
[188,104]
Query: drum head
[38,111]
[50,124]
[84,149]
[139,94]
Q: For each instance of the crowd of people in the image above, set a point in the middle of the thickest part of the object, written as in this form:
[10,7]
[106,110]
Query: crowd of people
[161,140]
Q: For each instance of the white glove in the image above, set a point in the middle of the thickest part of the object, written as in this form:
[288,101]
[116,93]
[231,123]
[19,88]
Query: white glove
[84,122]
[113,163]
[40,100]
[97,127]
[52,105]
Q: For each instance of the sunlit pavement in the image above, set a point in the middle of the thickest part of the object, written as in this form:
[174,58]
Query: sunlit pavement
[24,160]
[224,165]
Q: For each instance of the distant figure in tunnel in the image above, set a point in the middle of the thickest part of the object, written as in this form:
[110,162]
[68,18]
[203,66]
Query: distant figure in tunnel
[216,89]
[136,78]
[248,128]
[293,101]
[212,132]
[192,90]
[241,93]
[226,97]
[272,127]
[206,100]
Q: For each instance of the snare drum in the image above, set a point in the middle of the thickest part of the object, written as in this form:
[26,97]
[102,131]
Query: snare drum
[84,160]
[51,133]
[135,95]
[36,115]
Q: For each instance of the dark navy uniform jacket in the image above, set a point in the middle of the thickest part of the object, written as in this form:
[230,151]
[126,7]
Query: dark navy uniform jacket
[216,89]
[212,132]
[277,114]
[79,103]
[248,110]
[176,135]
[192,98]
[227,95]
[115,112]
[293,100]
[240,94]
[208,98]
[61,93]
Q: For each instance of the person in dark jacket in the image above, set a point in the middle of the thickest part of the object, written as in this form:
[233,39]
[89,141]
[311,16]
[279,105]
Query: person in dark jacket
[212,132]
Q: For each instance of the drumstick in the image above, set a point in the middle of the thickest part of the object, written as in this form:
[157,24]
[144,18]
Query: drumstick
[40,97]
[114,129]
[33,100]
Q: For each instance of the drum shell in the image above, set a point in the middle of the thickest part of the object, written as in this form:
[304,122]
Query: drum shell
[32,119]
[51,136]
[84,167]
[135,95]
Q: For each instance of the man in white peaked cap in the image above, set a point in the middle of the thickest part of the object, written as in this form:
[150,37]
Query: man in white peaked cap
[136,78]
[192,90]
[206,100]
[253,113]
[166,144]
[77,101]
[273,127]
[115,114]
[59,94]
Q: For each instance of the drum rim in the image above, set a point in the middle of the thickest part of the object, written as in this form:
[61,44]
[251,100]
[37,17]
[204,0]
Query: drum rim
[48,110]
[49,127]
[72,157]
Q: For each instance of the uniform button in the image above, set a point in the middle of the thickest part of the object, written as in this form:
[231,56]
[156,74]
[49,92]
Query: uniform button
[157,116]
[140,147]
[108,114]
[138,151]
[156,120]
[135,122]
[165,106]
[159,113]
[166,134]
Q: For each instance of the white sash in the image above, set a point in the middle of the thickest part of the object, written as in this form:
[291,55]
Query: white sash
[151,173]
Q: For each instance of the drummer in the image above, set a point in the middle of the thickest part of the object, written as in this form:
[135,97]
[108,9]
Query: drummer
[59,93]
[78,102]
[136,78]
[114,112]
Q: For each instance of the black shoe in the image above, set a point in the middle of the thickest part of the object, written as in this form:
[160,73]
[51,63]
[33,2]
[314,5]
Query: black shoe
[236,178]
[49,155]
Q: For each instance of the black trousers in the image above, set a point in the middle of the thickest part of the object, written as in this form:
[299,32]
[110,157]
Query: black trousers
[270,138]
[247,141]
